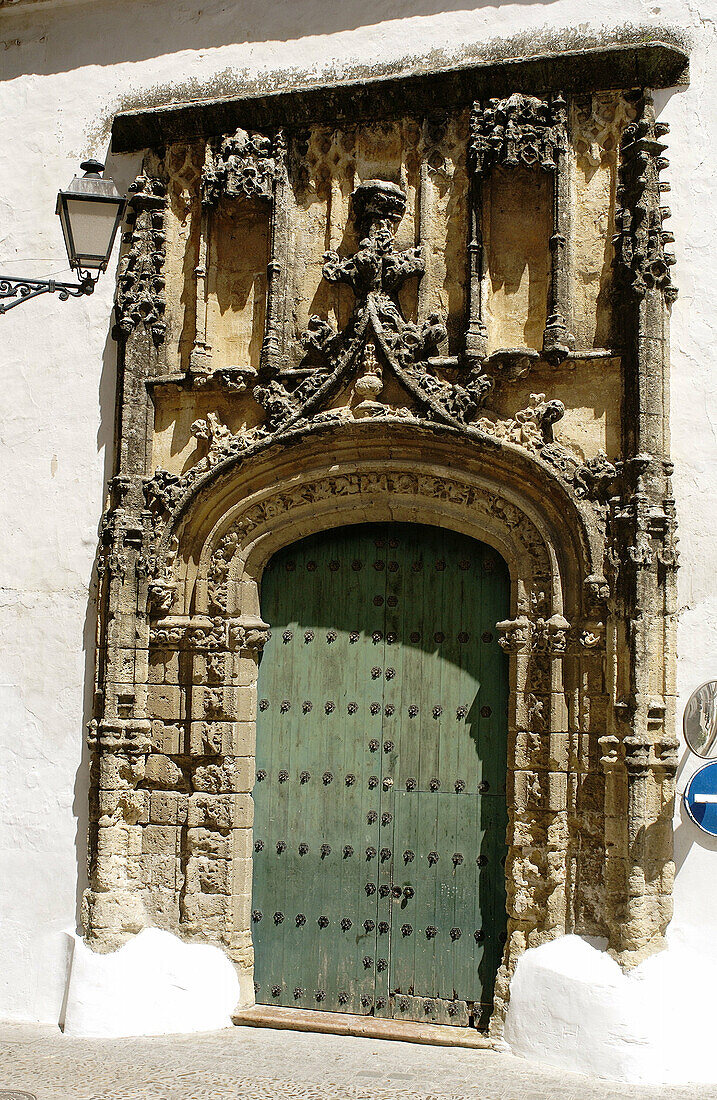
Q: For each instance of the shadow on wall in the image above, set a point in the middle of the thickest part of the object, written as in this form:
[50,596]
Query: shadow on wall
[85,36]
[80,803]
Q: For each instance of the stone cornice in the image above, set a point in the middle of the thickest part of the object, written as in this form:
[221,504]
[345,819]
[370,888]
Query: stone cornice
[648,62]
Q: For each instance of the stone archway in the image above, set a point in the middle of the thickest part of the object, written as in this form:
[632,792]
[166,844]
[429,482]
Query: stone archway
[203,650]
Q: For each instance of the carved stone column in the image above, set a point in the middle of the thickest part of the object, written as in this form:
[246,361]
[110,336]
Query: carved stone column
[643,545]
[537,786]
[120,731]
[215,899]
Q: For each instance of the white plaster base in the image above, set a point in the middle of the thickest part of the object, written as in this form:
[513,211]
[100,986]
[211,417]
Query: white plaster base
[572,1007]
[154,985]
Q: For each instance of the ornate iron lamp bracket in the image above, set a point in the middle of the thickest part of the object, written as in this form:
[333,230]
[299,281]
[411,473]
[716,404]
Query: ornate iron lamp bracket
[15,291]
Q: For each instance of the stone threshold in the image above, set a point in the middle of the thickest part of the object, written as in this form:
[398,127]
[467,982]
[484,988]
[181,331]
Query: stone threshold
[364,1027]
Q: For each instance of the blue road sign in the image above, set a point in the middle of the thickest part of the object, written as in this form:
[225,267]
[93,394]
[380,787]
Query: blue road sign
[701,798]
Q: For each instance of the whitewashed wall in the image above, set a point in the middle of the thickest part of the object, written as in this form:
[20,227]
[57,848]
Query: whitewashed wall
[65,69]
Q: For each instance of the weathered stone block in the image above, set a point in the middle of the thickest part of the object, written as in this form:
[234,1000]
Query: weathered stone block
[119,839]
[241,882]
[156,666]
[215,909]
[557,790]
[162,772]
[243,739]
[242,843]
[211,738]
[214,703]
[164,872]
[130,806]
[245,672]
[208,876]
[231,775]
[167,737]
[165,701]
[210,811]
[111,916]
[123,665]
[160,840]
[208,842]
[168,808]
[559,751]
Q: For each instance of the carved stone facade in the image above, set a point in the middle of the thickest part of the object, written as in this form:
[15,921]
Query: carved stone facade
[395,319]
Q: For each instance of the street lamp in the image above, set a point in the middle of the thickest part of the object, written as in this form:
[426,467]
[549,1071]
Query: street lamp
[90,212]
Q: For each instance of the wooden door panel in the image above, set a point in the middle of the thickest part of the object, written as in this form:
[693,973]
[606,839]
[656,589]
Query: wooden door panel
[381,756]
[318,747]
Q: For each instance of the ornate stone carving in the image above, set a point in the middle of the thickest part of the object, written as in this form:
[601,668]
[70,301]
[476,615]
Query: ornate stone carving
[177,648]
[216,435]
[377,336]
[539,635]
[593,636]
[160,596]
[550,635]
[248,633]
[209,634]
[521,130]
[596,478]
[640,254]
[244,167]
[129,735]
[140,296]
[312,492]
[515,634]
[531,427]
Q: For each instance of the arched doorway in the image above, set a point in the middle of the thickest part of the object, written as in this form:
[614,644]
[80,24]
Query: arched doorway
[380,809]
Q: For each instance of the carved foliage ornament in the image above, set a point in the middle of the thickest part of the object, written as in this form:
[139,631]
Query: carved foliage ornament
[310,493]
[140,299]
[244,167]
[204,634]
[520,131]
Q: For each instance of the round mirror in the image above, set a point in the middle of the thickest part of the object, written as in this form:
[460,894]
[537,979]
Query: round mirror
[700,721]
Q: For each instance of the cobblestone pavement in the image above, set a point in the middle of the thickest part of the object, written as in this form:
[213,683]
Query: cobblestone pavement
[258,1064]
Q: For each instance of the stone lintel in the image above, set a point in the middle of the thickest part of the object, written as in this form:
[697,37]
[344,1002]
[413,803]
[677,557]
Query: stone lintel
[652,63]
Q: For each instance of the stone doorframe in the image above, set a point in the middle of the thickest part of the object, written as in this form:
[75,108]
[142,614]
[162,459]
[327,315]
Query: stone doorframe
[590,541]
[589,835]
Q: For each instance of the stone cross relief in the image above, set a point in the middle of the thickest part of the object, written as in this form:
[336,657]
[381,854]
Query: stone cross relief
[377,336]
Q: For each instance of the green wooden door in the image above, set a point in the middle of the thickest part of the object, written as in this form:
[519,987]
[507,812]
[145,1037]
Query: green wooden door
[380,815]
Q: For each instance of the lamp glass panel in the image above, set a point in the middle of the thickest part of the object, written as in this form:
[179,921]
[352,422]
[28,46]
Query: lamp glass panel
[92,226]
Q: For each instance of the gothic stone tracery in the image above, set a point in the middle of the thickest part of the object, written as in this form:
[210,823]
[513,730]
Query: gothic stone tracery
[395,318]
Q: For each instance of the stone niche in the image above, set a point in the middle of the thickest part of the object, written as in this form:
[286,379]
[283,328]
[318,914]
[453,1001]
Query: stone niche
[457,314]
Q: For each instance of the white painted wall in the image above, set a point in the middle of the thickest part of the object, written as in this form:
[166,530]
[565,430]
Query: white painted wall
[65,69]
